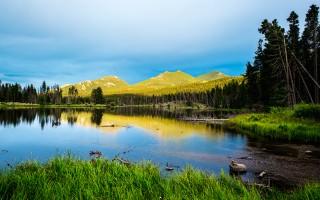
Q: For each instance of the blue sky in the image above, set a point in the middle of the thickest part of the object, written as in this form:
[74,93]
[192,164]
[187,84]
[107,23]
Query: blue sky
[69,41]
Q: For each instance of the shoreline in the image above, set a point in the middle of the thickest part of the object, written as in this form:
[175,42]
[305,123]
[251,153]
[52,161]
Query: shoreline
[284,124]
[117,180]
[4,105]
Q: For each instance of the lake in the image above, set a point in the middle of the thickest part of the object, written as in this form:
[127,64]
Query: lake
[155,135]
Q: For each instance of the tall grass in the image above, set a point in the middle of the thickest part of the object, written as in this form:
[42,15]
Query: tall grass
[69,178]
[297,124]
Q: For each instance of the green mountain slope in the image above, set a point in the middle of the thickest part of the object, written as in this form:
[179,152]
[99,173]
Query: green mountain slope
[164,83]
[166,79]
[212,76]
[106,83]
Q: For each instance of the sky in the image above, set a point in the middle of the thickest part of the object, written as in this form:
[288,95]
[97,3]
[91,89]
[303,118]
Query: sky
[70,41]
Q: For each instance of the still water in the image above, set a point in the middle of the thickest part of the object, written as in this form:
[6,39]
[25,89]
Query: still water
[158,136]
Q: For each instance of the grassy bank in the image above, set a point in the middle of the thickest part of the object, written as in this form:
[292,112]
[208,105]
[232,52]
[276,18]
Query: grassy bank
[68,178]
[300,123]
[16,105]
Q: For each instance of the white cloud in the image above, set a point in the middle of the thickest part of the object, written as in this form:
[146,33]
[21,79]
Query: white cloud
[65,37]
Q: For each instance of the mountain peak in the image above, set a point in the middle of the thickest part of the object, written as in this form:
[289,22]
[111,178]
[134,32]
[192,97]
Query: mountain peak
[168,78]
[214,75]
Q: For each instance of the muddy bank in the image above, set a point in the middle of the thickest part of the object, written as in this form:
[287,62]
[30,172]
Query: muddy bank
[285,165]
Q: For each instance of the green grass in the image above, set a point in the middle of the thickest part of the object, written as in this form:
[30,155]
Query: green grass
[70,178]
[16,105]
[297,124]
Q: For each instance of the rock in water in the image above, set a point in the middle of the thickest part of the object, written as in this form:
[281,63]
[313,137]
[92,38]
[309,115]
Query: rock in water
[237,167]
[96,154]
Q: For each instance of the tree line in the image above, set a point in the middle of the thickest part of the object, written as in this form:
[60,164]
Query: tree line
[45,94]
[29,94]
[285,70]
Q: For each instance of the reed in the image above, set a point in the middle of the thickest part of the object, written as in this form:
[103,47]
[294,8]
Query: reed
[71,178]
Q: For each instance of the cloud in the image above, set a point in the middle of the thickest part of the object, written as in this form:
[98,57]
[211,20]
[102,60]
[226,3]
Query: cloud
[67,41]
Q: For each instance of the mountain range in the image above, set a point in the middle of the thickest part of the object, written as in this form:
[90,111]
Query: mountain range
[164,83]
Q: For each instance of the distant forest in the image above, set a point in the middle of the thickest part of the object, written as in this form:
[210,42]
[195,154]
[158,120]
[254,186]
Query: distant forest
[284,72]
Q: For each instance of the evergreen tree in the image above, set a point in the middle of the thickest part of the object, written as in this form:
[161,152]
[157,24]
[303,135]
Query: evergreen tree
[72,94]
[97,96]
[252,78]
[293,37]
[310,46]
[272,74]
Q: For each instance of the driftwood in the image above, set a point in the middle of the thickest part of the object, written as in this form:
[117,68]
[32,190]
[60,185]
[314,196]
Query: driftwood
[109,125]
[114,125]
[205,120]
[262,174]
[122,161]
[245,158]
[260,185]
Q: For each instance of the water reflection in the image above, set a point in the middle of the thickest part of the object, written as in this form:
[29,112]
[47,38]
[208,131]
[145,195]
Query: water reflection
[162,121]
[146,134]
[154,135]
[161,127]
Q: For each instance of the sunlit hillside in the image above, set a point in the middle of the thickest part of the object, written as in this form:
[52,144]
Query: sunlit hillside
[212,76]
[195,87]
[106,83]
[164,83]
[167,79]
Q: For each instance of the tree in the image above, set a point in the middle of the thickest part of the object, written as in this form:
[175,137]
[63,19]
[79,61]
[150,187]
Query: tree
[252,78]
[293,38]
[56,95]
[274,79]
[72,94]
[97,96]
[310,46]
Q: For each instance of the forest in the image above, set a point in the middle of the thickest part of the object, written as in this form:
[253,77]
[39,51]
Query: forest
[284,72]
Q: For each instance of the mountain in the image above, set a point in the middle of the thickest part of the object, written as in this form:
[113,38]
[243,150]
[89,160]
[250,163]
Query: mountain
[212,76]
[167,79]
[106,83]
[164,83]
[200,86]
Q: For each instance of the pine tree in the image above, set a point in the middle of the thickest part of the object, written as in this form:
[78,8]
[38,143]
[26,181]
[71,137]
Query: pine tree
[97,96]
[310,44]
